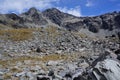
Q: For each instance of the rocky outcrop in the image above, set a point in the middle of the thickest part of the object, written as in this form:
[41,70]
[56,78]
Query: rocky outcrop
[35,17]
[106,70]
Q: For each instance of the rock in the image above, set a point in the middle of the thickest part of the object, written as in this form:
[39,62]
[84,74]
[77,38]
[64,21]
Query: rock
[30,76]
[3,71]
[51,73]
[41,72]
[52,63]
[43,78]
[83,64]
[58,77]
[70,66]
[20,74]
[78,74]
[40,50]
[58,52]
[36,68]
[117,51]
[68,75]
[79,78]
[118,35]
[1,76]
[107,69]
[104,56]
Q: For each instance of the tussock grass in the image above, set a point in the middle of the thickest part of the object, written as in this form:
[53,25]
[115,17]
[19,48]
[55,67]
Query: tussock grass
[7,76]
[17,34]
[46,58]
[81,35]
[52,32]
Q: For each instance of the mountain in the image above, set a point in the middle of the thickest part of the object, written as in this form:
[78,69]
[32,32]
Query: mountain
[103,25]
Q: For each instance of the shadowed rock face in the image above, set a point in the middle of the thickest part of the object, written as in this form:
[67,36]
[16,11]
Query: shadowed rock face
[54,15]
[13,16]
[109,21]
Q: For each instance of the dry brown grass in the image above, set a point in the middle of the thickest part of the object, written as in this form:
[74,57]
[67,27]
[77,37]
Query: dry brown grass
[46,58]
[15,70]
[52,32]
[78,34]
[7,76]
[17,34]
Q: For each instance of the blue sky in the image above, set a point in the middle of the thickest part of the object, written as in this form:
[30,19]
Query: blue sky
[75,7]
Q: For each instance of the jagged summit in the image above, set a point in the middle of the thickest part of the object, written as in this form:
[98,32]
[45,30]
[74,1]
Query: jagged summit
[52,10]
[32,10]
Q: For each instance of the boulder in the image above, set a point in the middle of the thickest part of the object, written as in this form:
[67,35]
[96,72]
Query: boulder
[79,78]
[43,78]
[117,52]
[107,69]
[52,63]
[40,50]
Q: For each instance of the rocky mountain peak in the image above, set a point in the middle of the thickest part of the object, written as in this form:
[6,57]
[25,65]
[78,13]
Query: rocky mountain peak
[32,11]
[52,10]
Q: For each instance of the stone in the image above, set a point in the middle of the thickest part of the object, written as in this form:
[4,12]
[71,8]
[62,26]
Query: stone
[1,76]
[51,73]
[117,51]
[79,78]
[43,78]
[20,74]
[38,50]
[41,72]
[52,63]
[30,75]
[83,65]
[107,69]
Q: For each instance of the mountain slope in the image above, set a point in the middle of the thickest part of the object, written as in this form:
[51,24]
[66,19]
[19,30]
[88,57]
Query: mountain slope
[104,25]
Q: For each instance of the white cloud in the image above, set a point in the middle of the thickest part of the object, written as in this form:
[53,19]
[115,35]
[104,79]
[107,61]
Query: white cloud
[21,5]
[74,11]
[89,3]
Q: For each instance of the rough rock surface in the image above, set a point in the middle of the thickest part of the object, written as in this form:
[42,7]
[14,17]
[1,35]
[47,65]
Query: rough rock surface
[107,70]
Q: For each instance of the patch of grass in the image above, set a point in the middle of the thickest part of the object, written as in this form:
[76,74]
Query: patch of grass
[78,34]
[34,59]
[7,76]
[17,34]
[15,70]
[52,31]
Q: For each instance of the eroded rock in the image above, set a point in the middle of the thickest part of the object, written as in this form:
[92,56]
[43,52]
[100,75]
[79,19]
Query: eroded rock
[107,69]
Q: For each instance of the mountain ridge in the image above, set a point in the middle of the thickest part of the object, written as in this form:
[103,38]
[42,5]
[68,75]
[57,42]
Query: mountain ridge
[33,18]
